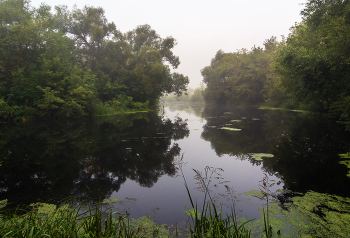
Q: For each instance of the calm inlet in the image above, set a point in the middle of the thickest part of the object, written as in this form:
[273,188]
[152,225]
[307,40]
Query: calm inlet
[132,157]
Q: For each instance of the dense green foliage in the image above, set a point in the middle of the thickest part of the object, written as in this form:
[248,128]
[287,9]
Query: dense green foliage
[243,77]
[72,63]
[314,63]
[308,70]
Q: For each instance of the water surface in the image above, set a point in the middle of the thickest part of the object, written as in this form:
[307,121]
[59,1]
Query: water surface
[131,157]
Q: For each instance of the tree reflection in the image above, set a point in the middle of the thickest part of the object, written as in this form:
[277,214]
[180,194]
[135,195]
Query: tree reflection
[305,146]
[55,160]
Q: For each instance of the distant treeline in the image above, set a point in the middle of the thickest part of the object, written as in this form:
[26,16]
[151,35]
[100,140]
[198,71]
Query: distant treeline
[191,96]
[310,69]
[74,63]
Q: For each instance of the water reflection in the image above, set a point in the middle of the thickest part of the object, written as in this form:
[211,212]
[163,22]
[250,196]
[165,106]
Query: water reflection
[305,146]
[55,160]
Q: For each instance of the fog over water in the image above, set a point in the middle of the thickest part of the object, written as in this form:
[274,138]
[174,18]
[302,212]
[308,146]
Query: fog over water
[201,28]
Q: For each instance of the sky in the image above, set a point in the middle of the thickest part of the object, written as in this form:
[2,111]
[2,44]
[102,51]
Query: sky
[201,27]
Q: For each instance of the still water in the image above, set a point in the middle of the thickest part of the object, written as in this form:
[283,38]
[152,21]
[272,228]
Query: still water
[132,157]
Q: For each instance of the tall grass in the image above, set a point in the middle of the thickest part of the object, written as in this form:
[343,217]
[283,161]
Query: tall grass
[84,220]
[209,221]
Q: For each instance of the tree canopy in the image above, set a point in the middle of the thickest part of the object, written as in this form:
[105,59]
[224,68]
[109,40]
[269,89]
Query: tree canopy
[75,62]
[309,69]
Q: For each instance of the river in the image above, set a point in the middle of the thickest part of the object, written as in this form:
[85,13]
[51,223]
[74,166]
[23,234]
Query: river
[135,158]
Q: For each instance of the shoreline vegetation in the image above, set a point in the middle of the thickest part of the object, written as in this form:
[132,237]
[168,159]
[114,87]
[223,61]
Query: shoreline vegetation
[308,70]
[57,62]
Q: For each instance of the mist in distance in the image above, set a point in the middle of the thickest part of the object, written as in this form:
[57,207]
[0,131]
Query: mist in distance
[201,28]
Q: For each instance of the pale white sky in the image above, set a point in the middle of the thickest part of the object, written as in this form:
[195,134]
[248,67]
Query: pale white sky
[201,27]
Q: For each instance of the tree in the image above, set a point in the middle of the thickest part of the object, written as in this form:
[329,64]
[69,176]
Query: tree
[314,64]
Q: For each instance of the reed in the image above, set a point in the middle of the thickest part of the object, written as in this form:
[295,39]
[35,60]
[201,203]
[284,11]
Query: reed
[209,221]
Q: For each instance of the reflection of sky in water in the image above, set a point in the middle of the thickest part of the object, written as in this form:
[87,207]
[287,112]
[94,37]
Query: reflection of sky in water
[169,194]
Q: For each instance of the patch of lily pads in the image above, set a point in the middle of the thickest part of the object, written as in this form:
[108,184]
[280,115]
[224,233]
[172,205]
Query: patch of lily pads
[260,156]
[109,201]
[230,129]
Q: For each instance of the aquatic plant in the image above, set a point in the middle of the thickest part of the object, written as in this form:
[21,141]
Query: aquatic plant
[230,129]
[210,221]
[83,220]
[259,156]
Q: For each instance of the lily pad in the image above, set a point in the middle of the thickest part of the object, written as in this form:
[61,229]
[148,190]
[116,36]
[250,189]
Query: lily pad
[128,148]
[230,129]
[109,201]
[254,193]
[260,156]
[236,121]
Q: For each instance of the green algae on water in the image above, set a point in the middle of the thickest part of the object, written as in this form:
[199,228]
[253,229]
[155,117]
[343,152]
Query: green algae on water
[254,193]
[312,215]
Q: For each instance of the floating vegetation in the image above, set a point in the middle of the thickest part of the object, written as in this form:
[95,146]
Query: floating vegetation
[312,215]
[109,201]
[282,109]
[243,118]
[228,124]
[347,164]
[212,126]
[345,156]
[128,148]
[236,121]
[230,129]
[254,193]
[260,156]
[255,119]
